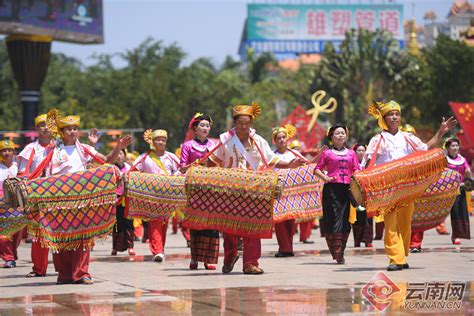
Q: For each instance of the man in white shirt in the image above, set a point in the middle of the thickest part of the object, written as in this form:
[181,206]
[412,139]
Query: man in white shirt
[242,148]
[394,144]
[28,160]
[70,155]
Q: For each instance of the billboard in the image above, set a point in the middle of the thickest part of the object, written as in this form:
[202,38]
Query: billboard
[305,28]
[78,21]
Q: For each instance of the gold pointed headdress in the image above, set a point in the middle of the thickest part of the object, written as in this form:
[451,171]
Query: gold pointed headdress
[251,110]
[55,122]
[379,109]
[288,129]
[150,134]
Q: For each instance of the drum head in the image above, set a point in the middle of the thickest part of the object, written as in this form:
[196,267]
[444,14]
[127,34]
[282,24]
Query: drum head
[21,194]
[356,193]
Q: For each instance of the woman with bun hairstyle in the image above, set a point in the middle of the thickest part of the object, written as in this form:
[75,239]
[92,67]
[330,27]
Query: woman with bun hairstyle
[335,168]
[204,243]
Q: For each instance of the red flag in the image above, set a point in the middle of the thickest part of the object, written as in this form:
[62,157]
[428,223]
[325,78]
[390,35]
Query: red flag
[464,113]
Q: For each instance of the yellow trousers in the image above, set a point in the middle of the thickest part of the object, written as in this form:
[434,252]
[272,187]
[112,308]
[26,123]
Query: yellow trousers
[398,233]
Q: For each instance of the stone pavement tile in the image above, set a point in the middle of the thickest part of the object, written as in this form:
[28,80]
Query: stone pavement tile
[312,272]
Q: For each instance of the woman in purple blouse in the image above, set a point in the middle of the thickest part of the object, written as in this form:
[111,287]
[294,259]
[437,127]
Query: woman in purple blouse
[459,213]
[339,163]
[204,243]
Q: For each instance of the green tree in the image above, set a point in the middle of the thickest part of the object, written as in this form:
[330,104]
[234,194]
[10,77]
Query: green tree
[370,65]
[450,66]
[10,106]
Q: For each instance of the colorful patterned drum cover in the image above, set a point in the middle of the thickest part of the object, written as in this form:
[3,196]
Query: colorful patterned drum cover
[153,196]
[389,186]
[74,208]
[12,220]
[301,195]
[432,208]
[87,188]
[235,201]
[33,226]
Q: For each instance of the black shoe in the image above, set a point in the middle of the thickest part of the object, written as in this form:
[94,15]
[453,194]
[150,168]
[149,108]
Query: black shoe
[405,266]
[228,269]
[415,250]
[395,267]
[284,254]
[308,242]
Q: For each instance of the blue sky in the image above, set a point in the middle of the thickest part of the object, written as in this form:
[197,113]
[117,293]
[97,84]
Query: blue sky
[201,28]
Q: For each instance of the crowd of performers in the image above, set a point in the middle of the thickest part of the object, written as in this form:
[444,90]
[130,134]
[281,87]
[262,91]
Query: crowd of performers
[58,151]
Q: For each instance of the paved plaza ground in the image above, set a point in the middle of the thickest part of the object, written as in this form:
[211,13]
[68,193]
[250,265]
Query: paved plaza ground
[310,283]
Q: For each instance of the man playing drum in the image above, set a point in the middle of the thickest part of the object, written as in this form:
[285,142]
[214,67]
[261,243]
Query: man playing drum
[387,146]
[28,160]
[242,148]
[69,155]
[157,161]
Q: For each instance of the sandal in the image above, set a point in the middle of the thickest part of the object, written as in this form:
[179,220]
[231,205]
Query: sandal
[85,281]
[33,274]
[251,269]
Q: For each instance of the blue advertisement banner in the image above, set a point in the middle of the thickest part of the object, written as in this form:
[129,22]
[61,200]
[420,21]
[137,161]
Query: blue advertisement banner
[320,22]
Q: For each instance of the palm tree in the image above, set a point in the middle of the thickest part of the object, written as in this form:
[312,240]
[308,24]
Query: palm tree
[369,65]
